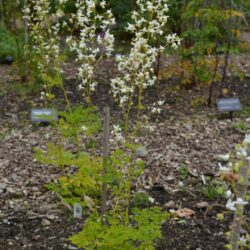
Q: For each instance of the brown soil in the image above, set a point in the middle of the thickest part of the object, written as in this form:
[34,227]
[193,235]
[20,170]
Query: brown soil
[33,218]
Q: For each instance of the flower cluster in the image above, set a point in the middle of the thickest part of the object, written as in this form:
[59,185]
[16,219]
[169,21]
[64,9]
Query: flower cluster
[243,153]
[231,204]
[136,71]
[173,40]
[157,107]
[94,42]
[44,35]
[117,135]
[150,19]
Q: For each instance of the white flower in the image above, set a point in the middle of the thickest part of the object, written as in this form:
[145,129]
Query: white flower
[117,134]
[223,168]
[242,153]
[26,10]
[247,139]
[152,200]
[103,4]
[228,193]
[243,240]
[231,204]
[161,102]
[59,13]
[240,201]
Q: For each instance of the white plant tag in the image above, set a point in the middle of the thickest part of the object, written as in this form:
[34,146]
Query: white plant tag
[77,211]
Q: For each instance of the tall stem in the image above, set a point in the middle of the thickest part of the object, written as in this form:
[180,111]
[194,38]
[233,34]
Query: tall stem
[139,108]
[127,193]
[126,124]
[105,159]
[211,88]
[70,110]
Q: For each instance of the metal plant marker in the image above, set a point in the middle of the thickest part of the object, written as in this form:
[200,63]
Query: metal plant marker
[77,211]
[44,115]
[229,105]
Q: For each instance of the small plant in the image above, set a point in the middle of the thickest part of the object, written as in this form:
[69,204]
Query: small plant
[140,200]
[243,165]
[240,127]
[212,192]
[183,173]
[84,186]
[245,112]
[140,234]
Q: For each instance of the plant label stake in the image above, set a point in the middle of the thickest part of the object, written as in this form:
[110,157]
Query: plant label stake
[77,211]
[43,115]
[229,105]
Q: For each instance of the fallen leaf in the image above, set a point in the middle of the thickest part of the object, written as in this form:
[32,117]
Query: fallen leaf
[185,212]
[230,177]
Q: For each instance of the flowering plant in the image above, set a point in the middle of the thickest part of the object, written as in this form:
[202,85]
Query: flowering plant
[95,41]
[44,48]
[136,72]
[243,165]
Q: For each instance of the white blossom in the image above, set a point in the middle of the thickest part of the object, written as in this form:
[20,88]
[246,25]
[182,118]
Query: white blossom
[243,240]
[228,193]
[94,42]
[242,153]
[136,69]
[231,204]
[117,135]
[44,35]
[223,168]
[247,139]
[151,199]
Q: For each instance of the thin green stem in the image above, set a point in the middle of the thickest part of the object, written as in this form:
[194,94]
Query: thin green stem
[68,104]
[128,191]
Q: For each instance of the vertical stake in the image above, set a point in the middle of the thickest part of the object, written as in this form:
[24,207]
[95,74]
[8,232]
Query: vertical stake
[105,159]
[231,115]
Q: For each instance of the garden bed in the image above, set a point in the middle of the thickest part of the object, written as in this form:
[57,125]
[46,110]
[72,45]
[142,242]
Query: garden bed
[182,149]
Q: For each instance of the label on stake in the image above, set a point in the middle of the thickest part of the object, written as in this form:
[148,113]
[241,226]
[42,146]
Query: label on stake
[77,211]
[229,104]
[44,115]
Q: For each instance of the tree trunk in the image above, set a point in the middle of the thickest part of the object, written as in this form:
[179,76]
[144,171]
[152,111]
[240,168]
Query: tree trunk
[225,68]
[26,41]
[1,13]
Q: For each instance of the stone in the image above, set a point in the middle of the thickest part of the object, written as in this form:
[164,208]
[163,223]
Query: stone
[45,222]
[141,151]
[202,204]
[170,204]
